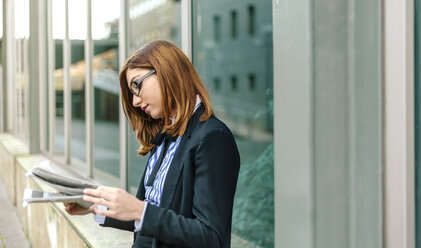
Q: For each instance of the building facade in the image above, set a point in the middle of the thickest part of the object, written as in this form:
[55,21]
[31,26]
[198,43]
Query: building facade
[321,96]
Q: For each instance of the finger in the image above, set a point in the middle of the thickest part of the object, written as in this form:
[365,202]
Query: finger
[104,212]
[69,208]
[96,200]
[100,192]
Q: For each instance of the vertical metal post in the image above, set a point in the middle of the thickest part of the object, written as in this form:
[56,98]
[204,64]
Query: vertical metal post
[89,92]
[30,101]
[32,81]
[11,68]
[122,46]
[51,85]
[42,74]
[4,69]
[186,27]
[67,89]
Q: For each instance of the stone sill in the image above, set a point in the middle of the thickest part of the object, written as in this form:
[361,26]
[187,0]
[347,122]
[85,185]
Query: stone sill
[48,224]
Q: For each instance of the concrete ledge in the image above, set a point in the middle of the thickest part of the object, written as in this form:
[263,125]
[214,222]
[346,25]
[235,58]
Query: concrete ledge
[10,148]
[47,224]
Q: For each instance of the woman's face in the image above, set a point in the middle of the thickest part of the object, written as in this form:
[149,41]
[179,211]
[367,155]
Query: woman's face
[149,98]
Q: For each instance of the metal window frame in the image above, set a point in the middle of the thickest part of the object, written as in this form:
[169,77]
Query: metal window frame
[50,76]
[122,46]
[11,62]
[35,58]
[67,89]
[89,93]
[186,28]
[3,84]
[42,6]
[29,99]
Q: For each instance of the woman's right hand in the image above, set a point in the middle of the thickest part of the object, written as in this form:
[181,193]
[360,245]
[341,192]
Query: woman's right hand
[73,208]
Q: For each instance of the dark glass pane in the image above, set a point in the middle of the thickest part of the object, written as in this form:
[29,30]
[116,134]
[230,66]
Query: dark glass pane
[244,101]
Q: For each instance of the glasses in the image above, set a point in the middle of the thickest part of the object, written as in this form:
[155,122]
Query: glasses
[136,85]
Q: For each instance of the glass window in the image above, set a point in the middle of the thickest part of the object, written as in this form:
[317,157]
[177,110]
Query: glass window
[77,35]
[105,19]
[21,59]
[149,20]
[58,22]
[244,64]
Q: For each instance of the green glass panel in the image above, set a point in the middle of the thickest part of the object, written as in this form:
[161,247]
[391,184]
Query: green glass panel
[233,54]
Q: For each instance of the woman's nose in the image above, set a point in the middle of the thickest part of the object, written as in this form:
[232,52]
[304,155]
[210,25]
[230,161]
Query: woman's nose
[136,101]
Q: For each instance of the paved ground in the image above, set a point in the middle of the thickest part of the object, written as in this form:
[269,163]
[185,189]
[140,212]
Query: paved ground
[11,234]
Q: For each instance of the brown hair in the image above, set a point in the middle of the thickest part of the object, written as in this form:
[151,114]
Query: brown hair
[179,83]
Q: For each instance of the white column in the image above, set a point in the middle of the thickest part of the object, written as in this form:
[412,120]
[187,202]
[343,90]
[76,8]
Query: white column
[293,100]
[399,203]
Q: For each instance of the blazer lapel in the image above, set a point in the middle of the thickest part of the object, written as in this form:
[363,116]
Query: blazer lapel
[177,162]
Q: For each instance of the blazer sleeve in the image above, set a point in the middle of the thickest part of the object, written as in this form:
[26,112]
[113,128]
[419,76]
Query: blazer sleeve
[123,225]
[217,164]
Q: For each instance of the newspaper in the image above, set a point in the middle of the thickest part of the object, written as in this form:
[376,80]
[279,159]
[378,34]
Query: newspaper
[71,189]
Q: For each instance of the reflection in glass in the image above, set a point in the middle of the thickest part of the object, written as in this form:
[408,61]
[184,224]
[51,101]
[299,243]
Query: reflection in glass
[237,68]
[217,28]
[149,20]
[251,19]
[77,34]
[21,76]
[105,17]
[233,24]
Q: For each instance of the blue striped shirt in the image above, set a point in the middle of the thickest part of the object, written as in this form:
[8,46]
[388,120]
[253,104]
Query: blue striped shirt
[153,193]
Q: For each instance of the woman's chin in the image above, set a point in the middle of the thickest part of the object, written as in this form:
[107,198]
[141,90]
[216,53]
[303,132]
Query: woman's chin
[155,116]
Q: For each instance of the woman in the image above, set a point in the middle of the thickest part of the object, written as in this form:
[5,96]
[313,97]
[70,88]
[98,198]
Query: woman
[186,193]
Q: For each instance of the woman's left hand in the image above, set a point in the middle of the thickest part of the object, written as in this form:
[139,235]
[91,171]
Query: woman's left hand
[121,205]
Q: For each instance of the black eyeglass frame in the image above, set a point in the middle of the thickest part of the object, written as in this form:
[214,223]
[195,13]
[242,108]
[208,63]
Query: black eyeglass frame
[138,83]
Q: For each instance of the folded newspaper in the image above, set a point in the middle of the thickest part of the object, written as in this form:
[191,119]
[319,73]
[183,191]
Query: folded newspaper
[71,189]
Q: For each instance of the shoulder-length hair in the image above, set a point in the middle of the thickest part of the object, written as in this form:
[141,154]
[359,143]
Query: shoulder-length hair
[179,83]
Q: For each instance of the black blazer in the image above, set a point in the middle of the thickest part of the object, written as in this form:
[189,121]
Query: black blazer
[197,198]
